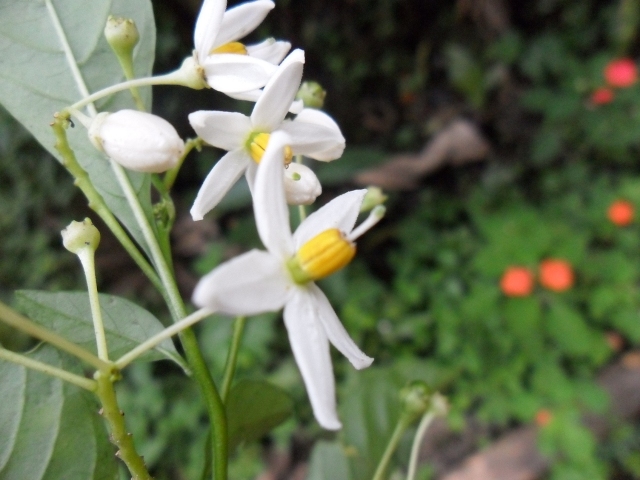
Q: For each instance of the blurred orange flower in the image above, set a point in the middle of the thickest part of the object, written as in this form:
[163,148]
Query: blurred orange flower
[543,417]
[620,213]
[602,96]
[556,275]
[517,282]
[622,72]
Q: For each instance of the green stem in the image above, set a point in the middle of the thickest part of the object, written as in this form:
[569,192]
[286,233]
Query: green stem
[171,175]
[14,319]
[215,407]
[172,78]
[232,357]
[417,441]
[118,430]
[86,256]
[48,369]
[126,63]
[96,202]
[302,211]
[401,426]
[168,332]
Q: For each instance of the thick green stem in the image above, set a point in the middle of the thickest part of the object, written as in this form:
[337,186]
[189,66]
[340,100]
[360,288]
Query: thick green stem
[232,357]
[215,407]
[48,369]
[96,202]
[401,426]
[117,428]
[14,319]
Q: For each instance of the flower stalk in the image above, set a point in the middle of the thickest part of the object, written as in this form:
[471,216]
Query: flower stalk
[14,319]
[25,361]
[232,357]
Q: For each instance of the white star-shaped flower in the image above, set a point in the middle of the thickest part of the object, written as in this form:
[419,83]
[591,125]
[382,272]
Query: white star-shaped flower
[230,66]
[283,276]
[312,133]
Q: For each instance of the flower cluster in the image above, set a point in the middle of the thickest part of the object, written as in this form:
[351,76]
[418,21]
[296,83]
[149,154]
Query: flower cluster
[618,73]
[553,274]
[266,147]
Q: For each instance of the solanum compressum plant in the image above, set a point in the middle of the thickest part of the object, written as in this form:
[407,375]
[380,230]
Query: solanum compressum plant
[115,156]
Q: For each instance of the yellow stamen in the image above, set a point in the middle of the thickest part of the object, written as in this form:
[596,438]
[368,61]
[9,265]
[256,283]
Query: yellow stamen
[321,256]
[258,144]
[231,47]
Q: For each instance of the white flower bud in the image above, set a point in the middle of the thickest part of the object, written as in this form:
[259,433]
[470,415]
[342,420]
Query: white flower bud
[137,140]
[301,186]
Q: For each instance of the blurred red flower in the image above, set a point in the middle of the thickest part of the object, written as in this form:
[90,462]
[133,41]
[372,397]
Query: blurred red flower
[622,72]
[556,275]
[517,282]
[602,96]
[620,213]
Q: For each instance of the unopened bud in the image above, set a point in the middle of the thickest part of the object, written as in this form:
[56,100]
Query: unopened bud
[301,186]
[121,34]
[80,235]
[416,400]
[137,140]
[374,197]
[312,94]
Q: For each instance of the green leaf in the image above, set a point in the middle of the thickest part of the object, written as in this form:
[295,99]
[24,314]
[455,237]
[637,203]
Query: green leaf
[50,429]
[254,408]
[571,333]
[69,314]
[37,80]
[328,460]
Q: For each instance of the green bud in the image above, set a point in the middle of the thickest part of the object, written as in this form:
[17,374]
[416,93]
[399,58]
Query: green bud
[80,235]
[122,34]
[416,400]
[312,94]
[374,197]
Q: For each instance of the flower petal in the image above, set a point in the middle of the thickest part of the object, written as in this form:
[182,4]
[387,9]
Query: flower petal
[254,95]
[269,205]
[231,73]
[341,213]
[226,130]
[311,350]
[319,118]
[221,178]
[336,333]
[252,283]
[316,141]
[270,50]
[208,26]
[279,92]
[241,20]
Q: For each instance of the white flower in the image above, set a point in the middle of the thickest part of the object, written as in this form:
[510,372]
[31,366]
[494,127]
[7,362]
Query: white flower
[137,140]
[230,66]
[284,275]
[313,134]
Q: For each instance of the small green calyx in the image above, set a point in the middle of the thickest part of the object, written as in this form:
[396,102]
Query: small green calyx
[312,95]
[122,35]
[298,274]
[79,236]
